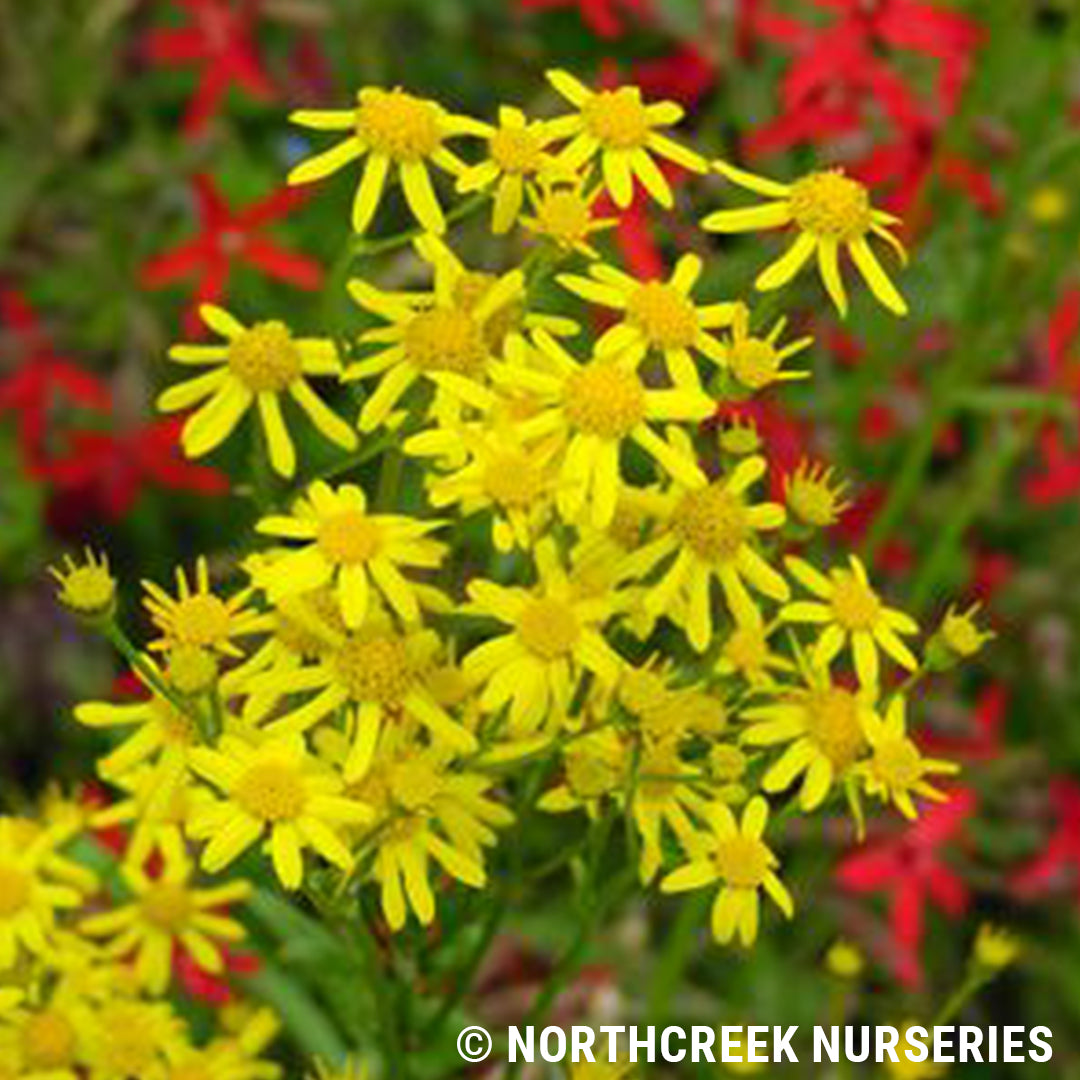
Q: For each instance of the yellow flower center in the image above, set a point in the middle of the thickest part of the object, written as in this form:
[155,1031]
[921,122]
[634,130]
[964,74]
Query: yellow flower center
[446,339]
[604,399]
[741,861]
[589,773]
[897,762]
[666,317]
[830,204]
[962,635]
[415,785]
[14,890]
[374,669]
[512,479]
[855,605]
[617,118]
[548,628]
[265,357]
[565,216]
[271,791]
[394,123]
[200,620]
[834,725]
[167,906]
[192,669]
[48,1041]
[125,1044]
[517,150]
[88,590]
[349,538]
[712,522]
[754,363]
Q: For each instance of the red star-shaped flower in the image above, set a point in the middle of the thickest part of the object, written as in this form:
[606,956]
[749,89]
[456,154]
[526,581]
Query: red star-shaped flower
[226,237]
[1059,860]
[912,870]
[603,17]
[219,40]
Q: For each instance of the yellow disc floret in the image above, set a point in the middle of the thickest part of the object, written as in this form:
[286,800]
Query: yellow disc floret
[403,127]
[271,791]
[834,725]
[446,339]
[265,357]
[548,628]
[855,605]
[712,522]
[48,1041]
[349,538]
[617,118]
[517,150]
[664,315]
[831,204]
[374,669]
[742,861]
[605,399]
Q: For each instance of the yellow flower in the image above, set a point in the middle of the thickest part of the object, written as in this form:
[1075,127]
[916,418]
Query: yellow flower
[379,676]
[496,471]
[709,528]
[555,637]
[844,960]
[197,617]
[896,770]
[449,340]
[222,1059]
[393,128]
[657,316]
[960,634]
[664,710]
[594,770]
[828,210]
[664,790]
[40,1043]
[757,362]
[598,406]
[619,127]
[746,652]
[88,590]
[851,612]
[516,150]
[257,364]
[424,811]
[602,1069]
[29,897]
[825,728]
[130,1038]
[734,854]
[562,211]
[906,1069]
[276,791]
[353,550]
[1048,205]
[167,911]
[996,948]
[813,496]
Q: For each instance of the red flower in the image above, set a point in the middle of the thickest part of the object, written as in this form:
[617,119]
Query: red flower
[783,437]
[206,987]
[219,39]
[601,16]
[980,738]
[228,236]
[104,472]
[685,75]
[910,868]
[1059,861]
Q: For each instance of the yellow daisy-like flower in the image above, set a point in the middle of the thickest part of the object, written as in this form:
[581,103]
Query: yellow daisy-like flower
[127,1038]
[350,549]
[995,947]
[379,674]
[563,211]
[449,341]
[426,811]
[39,1043]
[851,612]
[757,362]
[555,637]
[665,792]
[829,211]
[824,727]
[277,791]
[746,652]
[516,151]
[256,365]
[658,316]
[734,854]
[198,618]
[814,496]
[619,127]
[709,529]
[222,1059]
[595,766]
[29,897]
[960,634]
[162,738]
[663,710]
[597,407]
[167,911]
[497,471]
[896,770]
[88,590]
[393,128]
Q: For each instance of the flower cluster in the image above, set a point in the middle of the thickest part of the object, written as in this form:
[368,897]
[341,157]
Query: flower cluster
[533,581]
